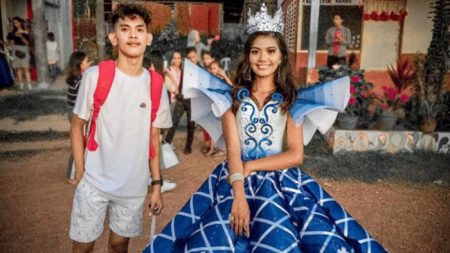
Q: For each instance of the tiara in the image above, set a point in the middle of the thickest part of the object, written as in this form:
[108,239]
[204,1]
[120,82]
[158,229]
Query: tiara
[263,22]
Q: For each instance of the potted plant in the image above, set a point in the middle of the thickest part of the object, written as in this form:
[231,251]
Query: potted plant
[391,103]
[360,96]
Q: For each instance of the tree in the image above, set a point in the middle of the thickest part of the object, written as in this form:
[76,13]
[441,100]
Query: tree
[101,33]
[40,37]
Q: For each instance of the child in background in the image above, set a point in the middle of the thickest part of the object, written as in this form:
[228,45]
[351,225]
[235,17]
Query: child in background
[207,58]
[78,63]
[173,75]
[217,70]
[52,55]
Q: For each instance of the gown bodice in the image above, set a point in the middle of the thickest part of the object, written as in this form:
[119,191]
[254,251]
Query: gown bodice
[261,131]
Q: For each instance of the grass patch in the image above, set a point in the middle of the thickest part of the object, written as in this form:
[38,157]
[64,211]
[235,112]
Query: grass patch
[30,105]
[419,167]
[28,136]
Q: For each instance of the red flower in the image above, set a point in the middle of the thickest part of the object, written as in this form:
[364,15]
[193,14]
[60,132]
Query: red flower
[384,106]
[352,101]
[352,89]
[403,98]
[355,79]
[363,88]
[391,93]
[364,94]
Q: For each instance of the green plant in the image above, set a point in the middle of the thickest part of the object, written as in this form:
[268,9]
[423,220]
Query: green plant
[394,98]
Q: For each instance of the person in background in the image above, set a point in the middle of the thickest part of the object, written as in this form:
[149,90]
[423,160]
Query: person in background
[208,145]
[217,70]
[52,55]
[211,150]
[20,40]
[173,75]
[184,105]
[78,63]
[157,64]
[207,58]
[338,38]
[194,40]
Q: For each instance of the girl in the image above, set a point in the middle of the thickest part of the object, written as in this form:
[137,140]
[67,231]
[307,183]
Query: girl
[173,75]
[258,200]
[217,70]
[78,63]
[21,62]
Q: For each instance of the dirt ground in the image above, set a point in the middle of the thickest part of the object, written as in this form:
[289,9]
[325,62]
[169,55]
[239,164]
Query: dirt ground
[36,203]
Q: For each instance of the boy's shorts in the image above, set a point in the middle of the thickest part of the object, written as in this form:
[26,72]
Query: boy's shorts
[89,211]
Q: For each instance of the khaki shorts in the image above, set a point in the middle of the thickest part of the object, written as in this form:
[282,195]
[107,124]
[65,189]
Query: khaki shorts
[89,211]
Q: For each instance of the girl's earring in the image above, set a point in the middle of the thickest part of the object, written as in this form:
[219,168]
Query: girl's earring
[249,75]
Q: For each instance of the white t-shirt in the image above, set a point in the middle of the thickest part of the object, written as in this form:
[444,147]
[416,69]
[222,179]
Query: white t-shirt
[120,165]
[52,52]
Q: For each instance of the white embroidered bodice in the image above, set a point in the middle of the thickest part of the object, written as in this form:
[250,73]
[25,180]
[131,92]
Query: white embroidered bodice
[261,132]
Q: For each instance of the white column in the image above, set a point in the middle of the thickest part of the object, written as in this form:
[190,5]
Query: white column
[313,30]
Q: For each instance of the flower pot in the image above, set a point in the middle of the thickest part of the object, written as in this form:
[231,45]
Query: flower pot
[347,121]
[428,125]
[387,121]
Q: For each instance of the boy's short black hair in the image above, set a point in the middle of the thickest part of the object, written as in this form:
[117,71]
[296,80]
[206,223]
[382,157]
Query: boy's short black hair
[131,11]
[190,49]
[51,36]
[206,52]
[338,14]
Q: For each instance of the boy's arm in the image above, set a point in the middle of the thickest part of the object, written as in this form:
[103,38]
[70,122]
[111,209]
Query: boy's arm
[78,145]
[155,170]
[156,204]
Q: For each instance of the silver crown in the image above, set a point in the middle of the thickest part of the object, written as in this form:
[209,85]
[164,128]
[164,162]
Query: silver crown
[263,22]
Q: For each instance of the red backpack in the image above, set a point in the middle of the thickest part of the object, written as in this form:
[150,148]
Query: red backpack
[106,74]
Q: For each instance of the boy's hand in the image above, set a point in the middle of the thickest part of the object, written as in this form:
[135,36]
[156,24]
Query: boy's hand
[156,203]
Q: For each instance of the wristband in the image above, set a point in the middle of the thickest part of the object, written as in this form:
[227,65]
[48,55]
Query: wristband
[236,177]
[157,182]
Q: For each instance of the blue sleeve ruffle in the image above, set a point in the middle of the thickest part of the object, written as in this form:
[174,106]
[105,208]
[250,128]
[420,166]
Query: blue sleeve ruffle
[210,99]
[316,107]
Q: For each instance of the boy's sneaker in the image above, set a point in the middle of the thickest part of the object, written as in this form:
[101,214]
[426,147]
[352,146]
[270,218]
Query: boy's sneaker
[168,186]
[21,86]
[29,86]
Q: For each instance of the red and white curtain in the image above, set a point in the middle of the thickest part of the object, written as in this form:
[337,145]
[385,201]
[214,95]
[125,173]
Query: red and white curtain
[385,10]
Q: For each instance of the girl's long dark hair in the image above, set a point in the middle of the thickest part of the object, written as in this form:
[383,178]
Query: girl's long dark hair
[284,81]
[73,67]
[157,59]
[22,24]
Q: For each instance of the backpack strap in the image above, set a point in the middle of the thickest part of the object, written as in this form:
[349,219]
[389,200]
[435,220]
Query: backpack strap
[106,74]
[156,86]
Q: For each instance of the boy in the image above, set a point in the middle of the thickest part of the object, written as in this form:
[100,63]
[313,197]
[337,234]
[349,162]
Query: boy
[184,105]
[114,175]
[338,38]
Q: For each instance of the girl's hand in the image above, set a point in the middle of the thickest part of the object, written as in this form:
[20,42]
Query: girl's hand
[156,203]
[240,216]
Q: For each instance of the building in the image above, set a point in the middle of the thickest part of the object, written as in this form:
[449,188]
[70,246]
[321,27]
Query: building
[58,14]
[382,32]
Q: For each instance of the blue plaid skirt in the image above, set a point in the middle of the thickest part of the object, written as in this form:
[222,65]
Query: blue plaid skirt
[290,212]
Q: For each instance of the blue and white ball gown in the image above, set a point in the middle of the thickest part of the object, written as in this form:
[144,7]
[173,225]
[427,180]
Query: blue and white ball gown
[290,211]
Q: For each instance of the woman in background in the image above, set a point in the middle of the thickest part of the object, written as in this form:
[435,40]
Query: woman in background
[78,63]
